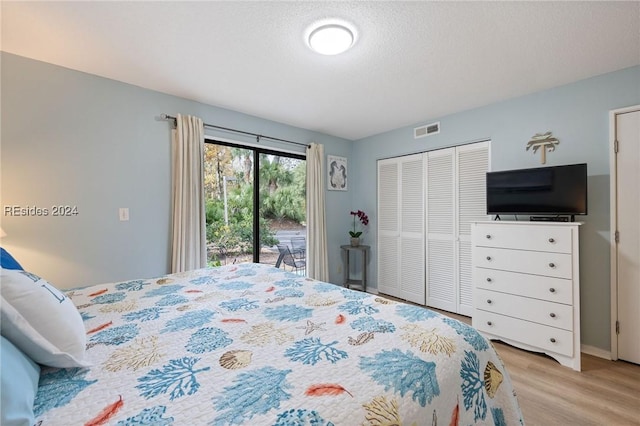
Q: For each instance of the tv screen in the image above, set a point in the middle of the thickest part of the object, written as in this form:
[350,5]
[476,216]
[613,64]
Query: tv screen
[557,190]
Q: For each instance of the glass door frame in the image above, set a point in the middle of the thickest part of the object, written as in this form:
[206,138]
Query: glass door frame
[256,181]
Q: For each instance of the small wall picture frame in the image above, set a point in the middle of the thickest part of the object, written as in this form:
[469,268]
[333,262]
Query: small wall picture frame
[337,174]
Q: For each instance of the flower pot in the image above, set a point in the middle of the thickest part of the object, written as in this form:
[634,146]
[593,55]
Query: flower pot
[355,241]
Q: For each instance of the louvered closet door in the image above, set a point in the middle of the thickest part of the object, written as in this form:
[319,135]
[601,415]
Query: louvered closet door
[441,273]
[472,166]
[388,227]
[412,270]
[401,228]
[456,196]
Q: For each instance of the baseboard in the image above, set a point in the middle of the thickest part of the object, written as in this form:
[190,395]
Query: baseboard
[372,290]
[592,350]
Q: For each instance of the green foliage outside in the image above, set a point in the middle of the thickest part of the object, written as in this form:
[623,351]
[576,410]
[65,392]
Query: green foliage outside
[282,196]
[283,191]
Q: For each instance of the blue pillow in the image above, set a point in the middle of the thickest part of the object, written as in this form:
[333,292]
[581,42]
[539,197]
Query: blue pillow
[7,261]
[19,379]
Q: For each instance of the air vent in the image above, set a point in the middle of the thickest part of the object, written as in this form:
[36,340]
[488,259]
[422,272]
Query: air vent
[427,130]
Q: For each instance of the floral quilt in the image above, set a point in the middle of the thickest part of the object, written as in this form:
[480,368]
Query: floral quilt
[252,344]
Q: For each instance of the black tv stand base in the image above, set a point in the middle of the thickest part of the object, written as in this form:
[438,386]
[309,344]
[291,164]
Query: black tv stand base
[552,218]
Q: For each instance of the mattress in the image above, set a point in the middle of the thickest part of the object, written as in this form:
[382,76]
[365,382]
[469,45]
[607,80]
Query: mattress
[252,344]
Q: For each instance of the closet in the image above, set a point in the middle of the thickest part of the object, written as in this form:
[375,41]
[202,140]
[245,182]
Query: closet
[426,203]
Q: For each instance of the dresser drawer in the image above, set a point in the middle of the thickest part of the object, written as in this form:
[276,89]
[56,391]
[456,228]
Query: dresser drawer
[524,237]
[530,262]
[539,311]
[536,335]
[557,290]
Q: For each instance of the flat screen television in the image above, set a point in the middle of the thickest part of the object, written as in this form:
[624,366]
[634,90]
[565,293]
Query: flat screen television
[556,190]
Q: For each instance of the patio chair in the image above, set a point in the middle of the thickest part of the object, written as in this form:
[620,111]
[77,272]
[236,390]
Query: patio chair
[298,266]
[299,247]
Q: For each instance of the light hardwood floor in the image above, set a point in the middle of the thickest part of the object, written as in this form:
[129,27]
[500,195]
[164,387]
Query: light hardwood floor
[604,393]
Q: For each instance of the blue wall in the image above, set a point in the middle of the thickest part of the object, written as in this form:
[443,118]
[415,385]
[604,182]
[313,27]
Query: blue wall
[578,115]
[77,139]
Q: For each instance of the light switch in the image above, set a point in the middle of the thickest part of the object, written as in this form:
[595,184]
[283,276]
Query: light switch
[124,214]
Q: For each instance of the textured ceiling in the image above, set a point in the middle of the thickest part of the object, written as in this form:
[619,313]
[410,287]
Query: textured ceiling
[412,61]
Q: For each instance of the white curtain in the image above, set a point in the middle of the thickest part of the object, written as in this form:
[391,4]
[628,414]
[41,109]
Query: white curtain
[189,249]
[317,259]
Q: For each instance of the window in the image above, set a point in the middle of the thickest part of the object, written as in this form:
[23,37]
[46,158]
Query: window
[255,199]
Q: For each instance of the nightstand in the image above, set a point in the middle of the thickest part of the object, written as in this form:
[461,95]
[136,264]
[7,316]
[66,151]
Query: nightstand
[363,251]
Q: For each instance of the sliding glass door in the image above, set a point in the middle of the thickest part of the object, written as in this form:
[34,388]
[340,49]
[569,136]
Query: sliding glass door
[255,206]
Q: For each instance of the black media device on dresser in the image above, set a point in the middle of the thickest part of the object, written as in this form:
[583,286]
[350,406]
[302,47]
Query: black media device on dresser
[554,194]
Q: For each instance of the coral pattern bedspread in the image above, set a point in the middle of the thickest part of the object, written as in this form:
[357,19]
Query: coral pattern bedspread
[251,344]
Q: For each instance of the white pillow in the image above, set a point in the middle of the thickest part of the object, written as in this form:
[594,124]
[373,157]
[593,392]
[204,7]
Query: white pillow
[41,321]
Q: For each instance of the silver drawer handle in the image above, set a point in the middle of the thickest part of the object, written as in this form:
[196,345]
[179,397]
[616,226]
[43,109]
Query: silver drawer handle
[552,340]
[489,301]
[489,258]
[551,240]
[489,280]
[552,290]
[552,265]
[552,315]
[489,323]
[488,237]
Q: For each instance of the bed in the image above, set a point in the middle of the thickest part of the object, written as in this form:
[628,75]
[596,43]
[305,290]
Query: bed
[252,344]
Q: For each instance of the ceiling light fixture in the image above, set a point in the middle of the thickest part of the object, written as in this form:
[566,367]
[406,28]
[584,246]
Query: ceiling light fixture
[331,39]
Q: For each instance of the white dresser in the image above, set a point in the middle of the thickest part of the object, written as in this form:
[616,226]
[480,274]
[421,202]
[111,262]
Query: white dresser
[526,286]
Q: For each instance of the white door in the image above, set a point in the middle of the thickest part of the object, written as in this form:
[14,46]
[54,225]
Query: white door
[456,197]
[412,229]
[401,228]
[442,287]
[472,167]
[388,227]
[628,226]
